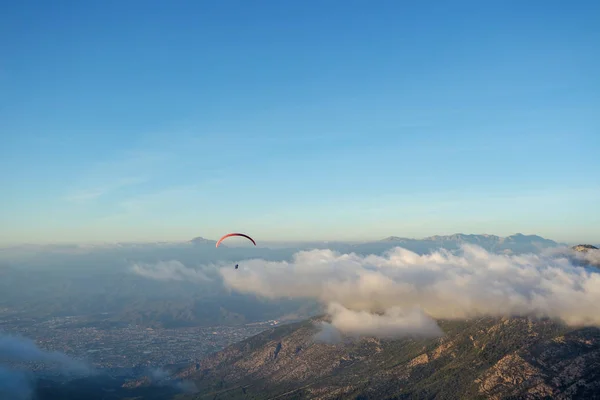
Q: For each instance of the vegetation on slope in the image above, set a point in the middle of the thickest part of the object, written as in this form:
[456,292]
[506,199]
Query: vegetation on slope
[480,358]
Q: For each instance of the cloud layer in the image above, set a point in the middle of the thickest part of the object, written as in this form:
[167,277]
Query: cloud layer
[399,293]
[393,322]
[20,349]
[160,377]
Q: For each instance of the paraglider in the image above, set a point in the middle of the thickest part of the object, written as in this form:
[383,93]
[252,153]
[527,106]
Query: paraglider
[235,234]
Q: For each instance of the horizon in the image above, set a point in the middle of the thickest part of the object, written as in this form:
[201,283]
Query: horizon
[294,122]
[237,242]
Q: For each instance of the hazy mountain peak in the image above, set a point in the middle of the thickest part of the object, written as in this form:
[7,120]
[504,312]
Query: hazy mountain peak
[394,239]
[514,244]
[201,240]
[470,237]
[454,236]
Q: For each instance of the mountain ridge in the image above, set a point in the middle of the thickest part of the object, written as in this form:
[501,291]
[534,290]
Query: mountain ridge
[203,240]
[478,358]
[465,236]
[199,240]
[513,244]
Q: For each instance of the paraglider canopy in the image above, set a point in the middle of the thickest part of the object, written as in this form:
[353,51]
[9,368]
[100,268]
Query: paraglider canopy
[234,234]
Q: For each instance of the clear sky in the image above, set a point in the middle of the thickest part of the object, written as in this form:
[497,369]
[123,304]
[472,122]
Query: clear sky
[158,120]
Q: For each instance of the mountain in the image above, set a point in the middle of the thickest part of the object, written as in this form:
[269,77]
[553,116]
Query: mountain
[396,239]
[514,244]
[517,243]
[495,358]
[200,241]
[534,242]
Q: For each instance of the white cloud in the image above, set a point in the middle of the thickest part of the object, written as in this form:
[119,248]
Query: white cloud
[130,169]
[20,349]
[148,202]
[169,270]
[399,293]
[327,333]
[394,322]
[98,191]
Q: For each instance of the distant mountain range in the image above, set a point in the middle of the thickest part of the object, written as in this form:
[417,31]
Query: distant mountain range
[517,243]
[514,244]
[483,239]
[202,250]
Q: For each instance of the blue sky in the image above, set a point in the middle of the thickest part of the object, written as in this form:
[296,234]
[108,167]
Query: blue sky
[154,120]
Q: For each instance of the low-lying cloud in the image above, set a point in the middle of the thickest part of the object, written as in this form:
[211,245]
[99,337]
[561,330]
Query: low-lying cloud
[590,257]
[161,377]
[169,271]
[394,322]
[17,384]
[401,292]
[20,349]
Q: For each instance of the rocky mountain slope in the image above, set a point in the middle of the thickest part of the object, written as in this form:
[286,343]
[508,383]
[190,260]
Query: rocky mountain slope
[584,247]
[480,358]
